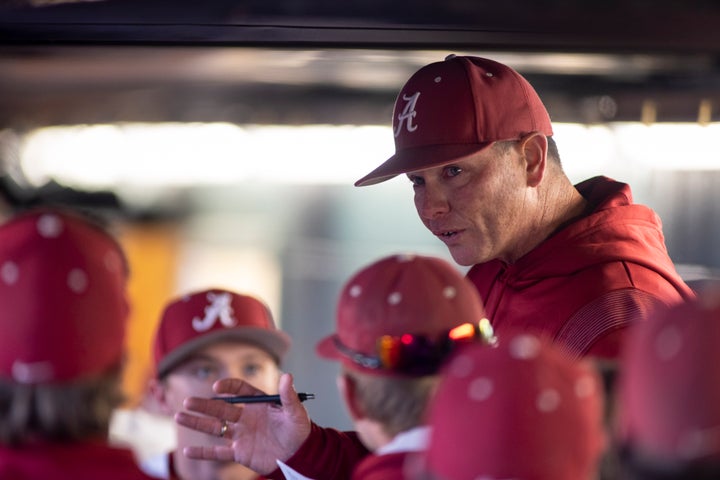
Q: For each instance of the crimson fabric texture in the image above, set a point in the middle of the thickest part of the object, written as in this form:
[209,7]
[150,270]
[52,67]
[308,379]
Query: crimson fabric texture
[584,285]
[390,466]
[327,453]
[208,316]
[396,295]
[452,109]
[522,409]
[73,461]
[62,291]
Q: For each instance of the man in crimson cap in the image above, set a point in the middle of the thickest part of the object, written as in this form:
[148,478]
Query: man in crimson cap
[522,410]
[63,314]
[398,319]
[668,401]
[476,142]
[573,263]
[202,337]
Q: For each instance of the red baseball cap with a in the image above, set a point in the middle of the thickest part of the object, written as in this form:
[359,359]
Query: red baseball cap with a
[63,303]
[452,109]
[522,410]
[200,318]
[669,390]
[401,296]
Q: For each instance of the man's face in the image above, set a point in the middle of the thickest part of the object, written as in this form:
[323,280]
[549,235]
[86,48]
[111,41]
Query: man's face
[196,375]
[475,206]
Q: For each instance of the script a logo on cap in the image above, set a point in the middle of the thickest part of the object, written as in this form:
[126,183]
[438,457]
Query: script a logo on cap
[408,114]
[219,309]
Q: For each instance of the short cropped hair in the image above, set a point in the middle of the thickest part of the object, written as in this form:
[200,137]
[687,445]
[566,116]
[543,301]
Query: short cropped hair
[553,152]
[398,403]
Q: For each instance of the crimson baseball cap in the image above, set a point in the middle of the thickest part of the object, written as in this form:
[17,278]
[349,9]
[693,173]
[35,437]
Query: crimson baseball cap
[521,410]
[63,299]
[398,295]
[669,390]
[452,109]
[200,318]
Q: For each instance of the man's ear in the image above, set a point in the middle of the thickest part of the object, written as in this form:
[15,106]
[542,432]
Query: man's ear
[157,394]
[534,148]
[348,388]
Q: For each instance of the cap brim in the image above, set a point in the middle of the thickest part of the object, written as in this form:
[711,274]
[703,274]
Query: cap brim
[275,342]
[419,158]
[326,348]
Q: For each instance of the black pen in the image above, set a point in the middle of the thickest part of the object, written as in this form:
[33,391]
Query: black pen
[263,398]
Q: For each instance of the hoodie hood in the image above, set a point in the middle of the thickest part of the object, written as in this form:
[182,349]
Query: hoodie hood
[615,230]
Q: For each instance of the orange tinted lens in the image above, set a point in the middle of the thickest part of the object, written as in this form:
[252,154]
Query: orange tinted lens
[389,349]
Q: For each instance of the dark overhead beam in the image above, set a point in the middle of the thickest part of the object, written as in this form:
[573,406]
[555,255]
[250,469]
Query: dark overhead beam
[540,25]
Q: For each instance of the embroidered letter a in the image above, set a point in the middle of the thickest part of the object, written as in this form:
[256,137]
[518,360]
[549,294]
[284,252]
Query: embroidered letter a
[408,114]
[219,309]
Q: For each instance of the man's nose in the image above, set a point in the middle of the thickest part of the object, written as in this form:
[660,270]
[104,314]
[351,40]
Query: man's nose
[431,203]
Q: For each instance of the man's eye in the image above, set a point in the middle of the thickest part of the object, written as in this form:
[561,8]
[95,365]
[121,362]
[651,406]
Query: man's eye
[251,370]
[416,181]
[204,372]
[453,170]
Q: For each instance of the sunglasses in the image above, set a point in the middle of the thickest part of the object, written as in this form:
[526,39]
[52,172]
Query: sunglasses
[418,354]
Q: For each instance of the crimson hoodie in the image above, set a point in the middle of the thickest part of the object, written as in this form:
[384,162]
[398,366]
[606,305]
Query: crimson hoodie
[92,460]
[582,286]
[590,280]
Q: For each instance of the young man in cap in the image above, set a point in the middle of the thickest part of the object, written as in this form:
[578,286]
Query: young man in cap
[202,337]
[476,142]
[522,410]
[397,321]
[63,314]
[668,403]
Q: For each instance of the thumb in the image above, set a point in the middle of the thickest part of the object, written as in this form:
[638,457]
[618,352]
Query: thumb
[288,394]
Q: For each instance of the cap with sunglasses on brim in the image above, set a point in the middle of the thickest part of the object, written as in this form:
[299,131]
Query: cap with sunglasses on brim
[450,110]
[403,315]
[200,318]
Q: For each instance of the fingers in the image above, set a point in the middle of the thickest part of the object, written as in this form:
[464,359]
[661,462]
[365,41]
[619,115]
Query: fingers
[235,386]
[213,408]
[207,425]
[223,454]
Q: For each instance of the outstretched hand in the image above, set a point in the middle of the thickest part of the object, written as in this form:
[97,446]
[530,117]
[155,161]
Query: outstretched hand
[262,433]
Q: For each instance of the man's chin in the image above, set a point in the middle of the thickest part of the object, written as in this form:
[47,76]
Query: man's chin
[461,257]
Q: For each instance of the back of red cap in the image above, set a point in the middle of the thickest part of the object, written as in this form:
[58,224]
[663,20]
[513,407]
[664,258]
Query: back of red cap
[521,409]
[62,296]
[669,391]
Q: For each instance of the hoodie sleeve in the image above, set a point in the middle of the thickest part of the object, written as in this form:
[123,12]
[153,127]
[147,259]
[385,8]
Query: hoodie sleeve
[327,454]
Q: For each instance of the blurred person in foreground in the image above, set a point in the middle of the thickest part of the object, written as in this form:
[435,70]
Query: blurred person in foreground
[202,337]
[575,263]
[63,315]
[397,321]
[668,403]
[522,410]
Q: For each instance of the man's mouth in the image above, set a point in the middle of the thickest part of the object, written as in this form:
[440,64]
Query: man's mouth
[448,234]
